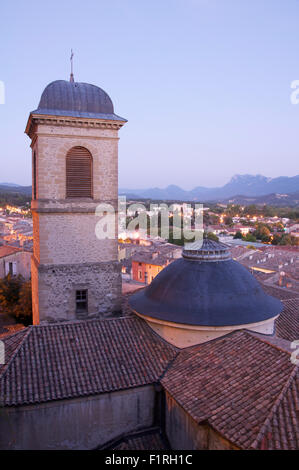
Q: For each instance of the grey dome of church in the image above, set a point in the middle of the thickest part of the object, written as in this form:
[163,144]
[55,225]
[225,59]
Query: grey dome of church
[68,98]
[206,288]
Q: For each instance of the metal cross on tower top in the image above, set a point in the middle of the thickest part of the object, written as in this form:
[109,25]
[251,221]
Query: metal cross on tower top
[71,59]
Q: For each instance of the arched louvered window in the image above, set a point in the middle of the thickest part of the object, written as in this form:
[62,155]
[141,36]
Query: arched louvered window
[78,173]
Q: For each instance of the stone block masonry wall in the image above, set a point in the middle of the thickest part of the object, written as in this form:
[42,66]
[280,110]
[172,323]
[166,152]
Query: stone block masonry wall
[53,144]
[34,287]
[184,433]
[57,286]
[69,238]
[36,244]
[82,423]
[68,256]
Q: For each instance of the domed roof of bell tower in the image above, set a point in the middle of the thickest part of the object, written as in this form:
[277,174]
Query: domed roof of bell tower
[74,99]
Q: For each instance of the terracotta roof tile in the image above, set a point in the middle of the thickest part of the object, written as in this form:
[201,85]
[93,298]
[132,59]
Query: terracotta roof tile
[7,250]
[279,292]
[152,439]
[83,358]
[287,324]
[233,383]
[11,343]
[281,428]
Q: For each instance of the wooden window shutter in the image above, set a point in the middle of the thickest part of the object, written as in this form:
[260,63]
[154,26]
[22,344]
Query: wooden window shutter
[78,173]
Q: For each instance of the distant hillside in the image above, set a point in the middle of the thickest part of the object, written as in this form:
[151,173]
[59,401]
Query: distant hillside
[275,199]
[15,188]
[247,185]
[241,189]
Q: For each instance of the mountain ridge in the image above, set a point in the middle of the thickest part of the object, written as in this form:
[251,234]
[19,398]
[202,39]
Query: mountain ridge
[245,185]
[240,187]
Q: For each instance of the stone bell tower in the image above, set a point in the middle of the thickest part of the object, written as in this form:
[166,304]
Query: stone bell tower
[74,141]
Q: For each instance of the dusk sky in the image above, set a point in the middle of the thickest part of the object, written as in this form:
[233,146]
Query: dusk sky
[205,84]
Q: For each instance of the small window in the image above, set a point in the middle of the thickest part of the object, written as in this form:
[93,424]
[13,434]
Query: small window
[140,274]
[81,301]
[11,269]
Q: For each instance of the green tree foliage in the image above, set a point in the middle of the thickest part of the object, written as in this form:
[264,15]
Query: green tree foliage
[210,219]
[16,199]
[233,210]
[228,220]
[238,235]
[279,227]
[15,298]
[211,236]
[23,308]
[285,239]
[9,292]
[262,233]
[249,237]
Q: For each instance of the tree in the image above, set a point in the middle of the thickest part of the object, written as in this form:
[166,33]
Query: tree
[228,220]
[23,309]
[263,233]
[16,298]
[251,210]
[211,236]
[250,237]
[9,292]
[238,235]
[233,210]
[276,239]
[289,240]
[279,227]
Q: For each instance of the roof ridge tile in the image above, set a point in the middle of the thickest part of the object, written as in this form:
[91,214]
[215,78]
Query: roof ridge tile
[26,334]
[274,407]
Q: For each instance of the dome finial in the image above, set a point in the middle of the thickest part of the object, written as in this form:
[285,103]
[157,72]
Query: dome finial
[71,59]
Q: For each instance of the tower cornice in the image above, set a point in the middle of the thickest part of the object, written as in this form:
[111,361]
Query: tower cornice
[68,121]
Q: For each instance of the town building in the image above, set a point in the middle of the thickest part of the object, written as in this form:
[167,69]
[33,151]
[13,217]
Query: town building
[14,261]
[147,262]
[146,266]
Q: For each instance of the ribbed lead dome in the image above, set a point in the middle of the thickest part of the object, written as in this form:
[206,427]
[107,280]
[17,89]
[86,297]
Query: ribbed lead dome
[76,99]
[206,287]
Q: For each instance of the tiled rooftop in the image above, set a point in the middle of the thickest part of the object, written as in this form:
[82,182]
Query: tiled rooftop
[240,385]
[287,324]
[152,439]
[279,292]
[281,428]
[243,384]
[12,343]
[147,258]
[83,358]
[7,250]
[274,258]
